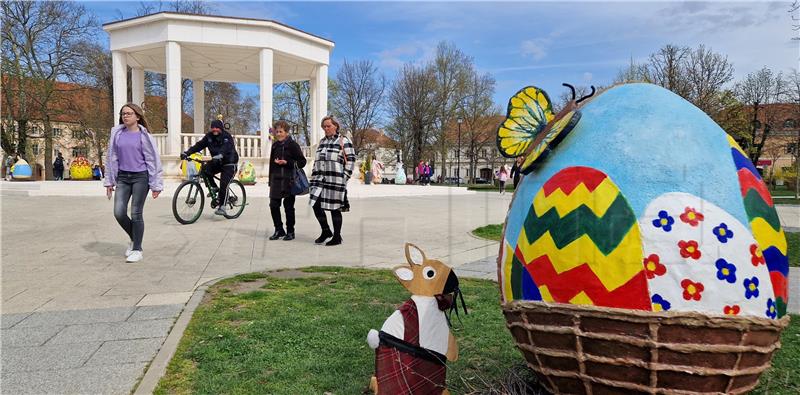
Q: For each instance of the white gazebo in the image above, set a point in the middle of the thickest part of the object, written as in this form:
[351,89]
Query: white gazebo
[215,48]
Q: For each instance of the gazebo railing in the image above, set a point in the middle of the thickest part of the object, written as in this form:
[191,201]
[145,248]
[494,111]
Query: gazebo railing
[248,146]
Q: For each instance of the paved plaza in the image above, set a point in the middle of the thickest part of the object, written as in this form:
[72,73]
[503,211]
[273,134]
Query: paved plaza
[77,319]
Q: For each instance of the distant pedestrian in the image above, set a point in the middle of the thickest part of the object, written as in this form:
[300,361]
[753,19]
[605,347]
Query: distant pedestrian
[285,156]
[134,167]
[502,177]
[97,173]
[428,173]
[377,170]
[58,167]
[9,164]
[516,170]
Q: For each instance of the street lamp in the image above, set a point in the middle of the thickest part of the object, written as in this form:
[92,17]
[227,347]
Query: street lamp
[459,120]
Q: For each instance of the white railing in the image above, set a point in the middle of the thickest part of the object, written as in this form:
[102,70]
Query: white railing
[248,146]
[161,142]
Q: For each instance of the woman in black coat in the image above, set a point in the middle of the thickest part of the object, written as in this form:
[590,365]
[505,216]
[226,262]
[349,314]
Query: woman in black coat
[284,156]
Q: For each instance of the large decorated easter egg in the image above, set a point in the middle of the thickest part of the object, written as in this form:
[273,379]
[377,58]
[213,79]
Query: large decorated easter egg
[247,175]
[21,170]
[80,169]
[641,251]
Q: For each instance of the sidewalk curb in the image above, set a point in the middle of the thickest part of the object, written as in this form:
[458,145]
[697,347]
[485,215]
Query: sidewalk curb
[158,367]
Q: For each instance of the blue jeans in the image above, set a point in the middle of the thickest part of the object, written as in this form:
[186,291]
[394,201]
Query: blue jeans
[135,185]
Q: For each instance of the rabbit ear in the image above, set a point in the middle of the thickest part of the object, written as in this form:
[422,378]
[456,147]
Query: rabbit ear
[404,273]
[414,255]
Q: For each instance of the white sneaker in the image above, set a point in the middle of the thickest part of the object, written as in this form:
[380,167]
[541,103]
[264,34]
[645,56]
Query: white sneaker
[129,250]
[135,256]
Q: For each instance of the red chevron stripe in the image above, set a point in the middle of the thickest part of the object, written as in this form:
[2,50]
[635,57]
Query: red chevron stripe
[563,287]
[748,181]
[568,179]
[780,285]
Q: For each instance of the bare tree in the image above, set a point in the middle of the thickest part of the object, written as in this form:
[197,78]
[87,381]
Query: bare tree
[757,92]
[97,96]
[358,98]
[412,108]
[478,110]
[633,72]
[698,75]
[452,68]
[667,67]
[42,38]
[224,98]
[293,103]
[793,97]
[707,73]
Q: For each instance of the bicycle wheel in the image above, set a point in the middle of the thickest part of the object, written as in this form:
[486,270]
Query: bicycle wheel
[187,203]
[235,200]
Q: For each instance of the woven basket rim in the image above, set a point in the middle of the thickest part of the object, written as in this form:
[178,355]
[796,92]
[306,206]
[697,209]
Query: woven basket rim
[624,314]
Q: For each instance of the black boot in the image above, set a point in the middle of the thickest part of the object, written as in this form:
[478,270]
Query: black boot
[335,241]
[326,233]
[279,232]
[289,235]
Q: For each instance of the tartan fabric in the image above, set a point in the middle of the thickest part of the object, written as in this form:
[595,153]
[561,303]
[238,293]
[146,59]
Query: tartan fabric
[329,175]
[410,322]
[398,372]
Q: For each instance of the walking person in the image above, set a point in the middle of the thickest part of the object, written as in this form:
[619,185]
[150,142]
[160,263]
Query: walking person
[134,167]
[333,166]
[516,170]
[9,163]
[502,177]
[285,155]
[224,159]
[428,173]
[58,167]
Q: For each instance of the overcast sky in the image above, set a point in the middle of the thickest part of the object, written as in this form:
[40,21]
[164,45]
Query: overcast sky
[523,43]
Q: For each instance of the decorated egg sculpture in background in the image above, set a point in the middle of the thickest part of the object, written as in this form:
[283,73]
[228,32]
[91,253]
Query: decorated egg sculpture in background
[80,169]
[21,170]
[247,175]
[641,251]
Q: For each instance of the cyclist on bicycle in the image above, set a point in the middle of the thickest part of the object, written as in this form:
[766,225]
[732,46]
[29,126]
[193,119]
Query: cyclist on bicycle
[224,159]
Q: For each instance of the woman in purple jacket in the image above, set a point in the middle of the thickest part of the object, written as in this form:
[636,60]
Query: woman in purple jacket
[133,167]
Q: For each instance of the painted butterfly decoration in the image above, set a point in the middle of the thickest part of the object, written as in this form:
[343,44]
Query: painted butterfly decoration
[532,129]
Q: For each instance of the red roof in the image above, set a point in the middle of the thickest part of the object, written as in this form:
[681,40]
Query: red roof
[72,103]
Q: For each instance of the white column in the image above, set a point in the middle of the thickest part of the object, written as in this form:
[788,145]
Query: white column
[137,85]
[119,80]
[316,118]
[174,109]
[199,97]
[265,87]
[321,104]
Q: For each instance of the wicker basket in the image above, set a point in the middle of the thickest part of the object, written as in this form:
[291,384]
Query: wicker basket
[596,350]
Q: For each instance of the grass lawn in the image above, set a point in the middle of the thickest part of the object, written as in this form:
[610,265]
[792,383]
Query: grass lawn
[793,242]
[781,192]
[493,232]
[491,187]
[260,334]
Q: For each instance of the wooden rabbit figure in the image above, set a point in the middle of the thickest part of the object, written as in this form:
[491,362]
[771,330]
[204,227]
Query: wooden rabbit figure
[415,342]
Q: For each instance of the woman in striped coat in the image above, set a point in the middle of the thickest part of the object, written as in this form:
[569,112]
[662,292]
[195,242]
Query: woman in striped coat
[333,166]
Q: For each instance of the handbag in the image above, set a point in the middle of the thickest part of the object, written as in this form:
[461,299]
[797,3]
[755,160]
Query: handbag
[299,184]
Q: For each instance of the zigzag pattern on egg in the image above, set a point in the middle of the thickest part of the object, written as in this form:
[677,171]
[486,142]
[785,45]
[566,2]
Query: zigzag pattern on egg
[580,244]
[765,224]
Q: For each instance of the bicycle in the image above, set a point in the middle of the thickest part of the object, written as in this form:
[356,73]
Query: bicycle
[189,198]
